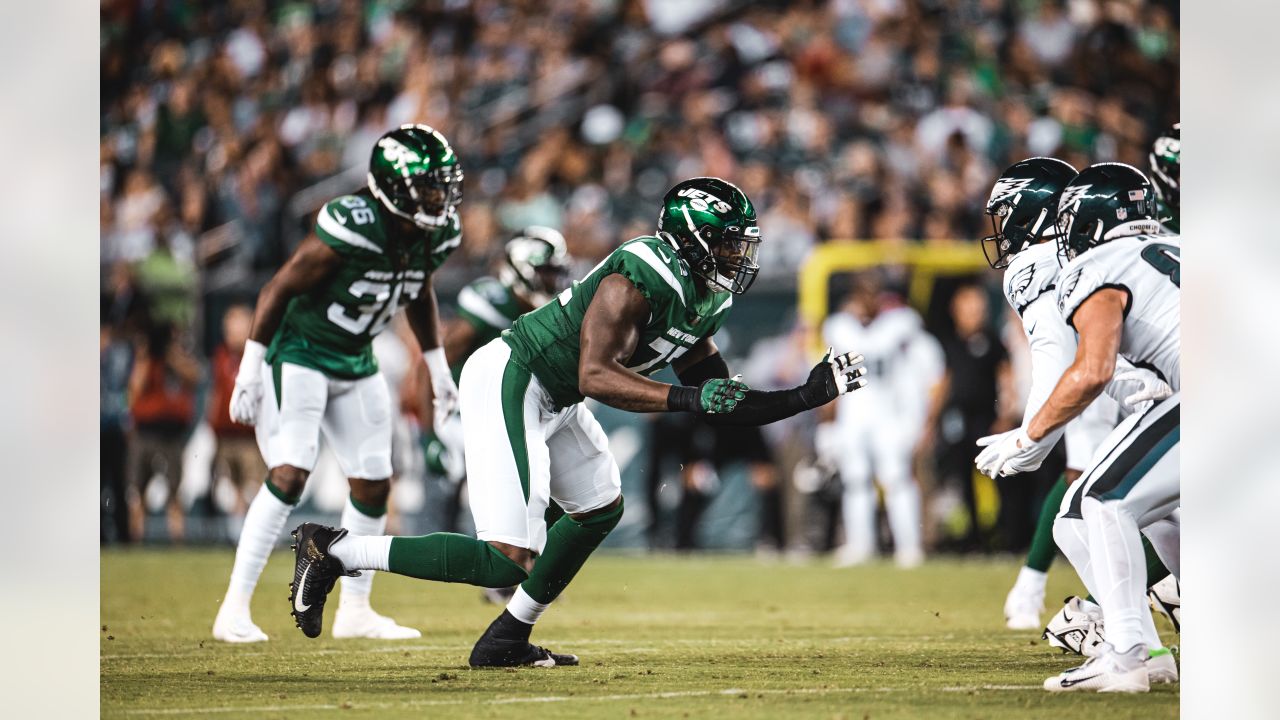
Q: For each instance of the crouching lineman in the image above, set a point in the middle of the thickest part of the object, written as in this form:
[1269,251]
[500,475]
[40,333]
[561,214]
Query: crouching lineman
[655,301]
[1024,210]
[309,369]
[534,269]
[1120,291]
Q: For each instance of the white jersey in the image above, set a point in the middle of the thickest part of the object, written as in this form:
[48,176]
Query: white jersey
[903,362]
[1148,268]
[1030,282]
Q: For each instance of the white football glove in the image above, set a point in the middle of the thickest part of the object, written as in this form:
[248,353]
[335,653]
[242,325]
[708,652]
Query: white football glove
[443,387]
[847,370]
[246,398]
[1139,388]
[1010,453]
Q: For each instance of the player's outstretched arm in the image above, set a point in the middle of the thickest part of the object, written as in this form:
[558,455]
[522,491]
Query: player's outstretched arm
[309,266]
[610,332]
[832,377]
[1099,321]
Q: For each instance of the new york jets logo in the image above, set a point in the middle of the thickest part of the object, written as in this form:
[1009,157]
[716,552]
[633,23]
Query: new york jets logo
[396,153]
[702,201]
[1006,188]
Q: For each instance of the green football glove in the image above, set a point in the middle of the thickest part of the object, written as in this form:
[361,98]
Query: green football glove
[435,451]
[719,396]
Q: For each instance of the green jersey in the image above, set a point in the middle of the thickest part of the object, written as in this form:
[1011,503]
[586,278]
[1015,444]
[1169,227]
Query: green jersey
[489,307]
[331,328]
[546,341]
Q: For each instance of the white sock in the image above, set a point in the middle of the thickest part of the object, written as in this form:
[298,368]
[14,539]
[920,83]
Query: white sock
[1031,581]
[1119,568]
[363,552]
[263,524]
[524,608]
[357,523]
[858,508]
[902,505]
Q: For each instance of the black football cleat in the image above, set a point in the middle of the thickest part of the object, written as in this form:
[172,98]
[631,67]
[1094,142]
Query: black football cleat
[315,572]
[506,644]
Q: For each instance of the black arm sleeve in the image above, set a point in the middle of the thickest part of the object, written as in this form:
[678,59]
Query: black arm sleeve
[762,408]
[759,407]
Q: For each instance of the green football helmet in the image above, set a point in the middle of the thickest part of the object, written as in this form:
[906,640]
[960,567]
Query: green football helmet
[415,174]
[1024,207]
[1104,202]
[536,265]
[1165,159]
[712,226]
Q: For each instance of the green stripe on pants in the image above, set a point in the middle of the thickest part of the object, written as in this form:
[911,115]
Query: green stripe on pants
[1143,467]
[277,368]
[515,381]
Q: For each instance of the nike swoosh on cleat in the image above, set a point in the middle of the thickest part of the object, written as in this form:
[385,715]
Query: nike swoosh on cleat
[1068,682]
[302,584]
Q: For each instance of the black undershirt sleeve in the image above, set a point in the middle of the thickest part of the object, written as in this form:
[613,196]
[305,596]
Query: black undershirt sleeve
[759,407]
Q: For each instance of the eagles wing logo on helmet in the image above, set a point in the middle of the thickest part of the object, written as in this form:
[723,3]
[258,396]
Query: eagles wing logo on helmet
[1073,194]
[1008,187]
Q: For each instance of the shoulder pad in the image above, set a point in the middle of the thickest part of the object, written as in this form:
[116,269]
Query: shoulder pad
[447,239]
[1032,273]
[349,223]
[654,267]
[1081,278]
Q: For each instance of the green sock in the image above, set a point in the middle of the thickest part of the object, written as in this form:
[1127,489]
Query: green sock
[450,557]
[569,544]
[1156,571]
[1043,550]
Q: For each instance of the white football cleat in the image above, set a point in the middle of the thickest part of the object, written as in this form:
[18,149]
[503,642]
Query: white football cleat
[1022,608]
[1076,628]
[1166,597]
[234,625]
[1109,671]
[1161,667]
[356,620]
[848,556]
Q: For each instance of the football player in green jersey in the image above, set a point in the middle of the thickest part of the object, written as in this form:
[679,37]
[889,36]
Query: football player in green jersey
[535,267]
[655,301]
[308,368]
[1166,172]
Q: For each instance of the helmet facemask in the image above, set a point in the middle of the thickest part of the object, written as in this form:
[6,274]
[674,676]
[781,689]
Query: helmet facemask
[427,198]
[1011,237]
[729,262]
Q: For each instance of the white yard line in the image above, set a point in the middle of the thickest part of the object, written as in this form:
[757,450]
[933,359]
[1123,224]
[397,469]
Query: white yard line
[710,642]
[515,700]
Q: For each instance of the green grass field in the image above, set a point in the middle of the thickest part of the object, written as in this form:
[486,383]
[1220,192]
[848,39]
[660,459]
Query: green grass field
[658,637]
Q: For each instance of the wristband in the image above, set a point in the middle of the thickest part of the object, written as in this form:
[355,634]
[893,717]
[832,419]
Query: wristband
[682,398]
[251,359]
[437,364]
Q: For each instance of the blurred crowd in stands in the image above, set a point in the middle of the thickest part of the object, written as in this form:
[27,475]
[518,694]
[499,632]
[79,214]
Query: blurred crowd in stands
[843,120]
